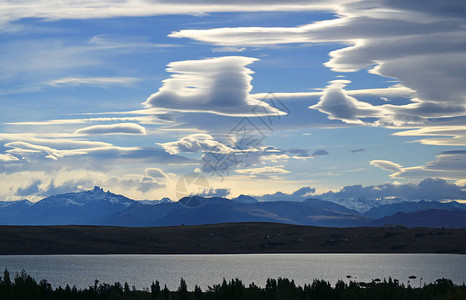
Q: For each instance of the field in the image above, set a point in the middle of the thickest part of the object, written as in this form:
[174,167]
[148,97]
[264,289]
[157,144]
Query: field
[227,238]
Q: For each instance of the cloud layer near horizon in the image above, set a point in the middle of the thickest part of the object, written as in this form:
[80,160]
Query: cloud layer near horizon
[433,189]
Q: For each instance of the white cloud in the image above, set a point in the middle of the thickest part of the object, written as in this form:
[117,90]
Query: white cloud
[43,187]
[397,90]
[35,185]
[356,29]
[304,154]
[31,152]
[7,158]
[153,119]
[131,155]
[228,49]
[196,143]
[246,36]
[215,192]
[53,140]
[337,103]
[122,128]
[340,106]
[241,159]
[435,189]
[156,173]
[219,158]
[423,48]
[438,135]
[386,165]
[270,170]
[214,85]
[99,81]
[135,182]
[449,165]
[106,41]
[11,10]
[298,195]
[35,157]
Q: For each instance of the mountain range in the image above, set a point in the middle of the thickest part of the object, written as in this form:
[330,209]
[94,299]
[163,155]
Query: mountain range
[411,206]
[97,207]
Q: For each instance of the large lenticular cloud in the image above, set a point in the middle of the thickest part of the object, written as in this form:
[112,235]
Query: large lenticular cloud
[215,85]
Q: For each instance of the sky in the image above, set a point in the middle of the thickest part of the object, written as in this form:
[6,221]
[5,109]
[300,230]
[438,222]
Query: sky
[141,97]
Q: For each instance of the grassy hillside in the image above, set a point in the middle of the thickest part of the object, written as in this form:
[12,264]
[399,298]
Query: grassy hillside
[227,238]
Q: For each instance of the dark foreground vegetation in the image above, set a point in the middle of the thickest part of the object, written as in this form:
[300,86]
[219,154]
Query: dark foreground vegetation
[24,287]
[228,238]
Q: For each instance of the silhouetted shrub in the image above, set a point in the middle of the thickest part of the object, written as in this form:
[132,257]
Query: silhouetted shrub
[24,287]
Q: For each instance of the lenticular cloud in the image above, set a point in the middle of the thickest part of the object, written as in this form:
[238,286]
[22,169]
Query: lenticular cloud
[214,85]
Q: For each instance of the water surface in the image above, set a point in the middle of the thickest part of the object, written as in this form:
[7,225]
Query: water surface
[204,270]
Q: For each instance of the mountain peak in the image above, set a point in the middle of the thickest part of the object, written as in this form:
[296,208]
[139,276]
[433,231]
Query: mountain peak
[193,201]
[15,202]
[245,199]
[98,189]
[166,200]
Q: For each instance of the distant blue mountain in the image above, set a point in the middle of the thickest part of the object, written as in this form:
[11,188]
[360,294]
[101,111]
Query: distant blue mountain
[10,210]
[10,204]
[200,210]
[245,199]
[329,205]
[96,207]
[89,207]
[155,202]
[390,209]
[433,218]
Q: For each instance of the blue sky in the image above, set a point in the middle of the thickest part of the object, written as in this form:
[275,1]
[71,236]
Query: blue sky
[132,95]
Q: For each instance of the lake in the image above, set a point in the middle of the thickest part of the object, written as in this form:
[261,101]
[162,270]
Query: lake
[204,270]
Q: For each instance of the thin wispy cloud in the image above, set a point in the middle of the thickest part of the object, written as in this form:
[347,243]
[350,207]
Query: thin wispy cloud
[98,81]
[122,128]
[46,9]
[264,170]
[454,135]
[448,165]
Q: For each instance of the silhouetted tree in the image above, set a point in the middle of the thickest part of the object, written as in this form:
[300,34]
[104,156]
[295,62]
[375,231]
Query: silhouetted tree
[165,292]
[182,292]
[24,287]
[155,290]
[197,292]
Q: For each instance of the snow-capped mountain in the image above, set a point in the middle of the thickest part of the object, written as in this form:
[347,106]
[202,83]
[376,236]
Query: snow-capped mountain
[155,202]
[97,196]
[9,210]
[406,207]
[86,207]
[97,207]
[361,204]
[25,203]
